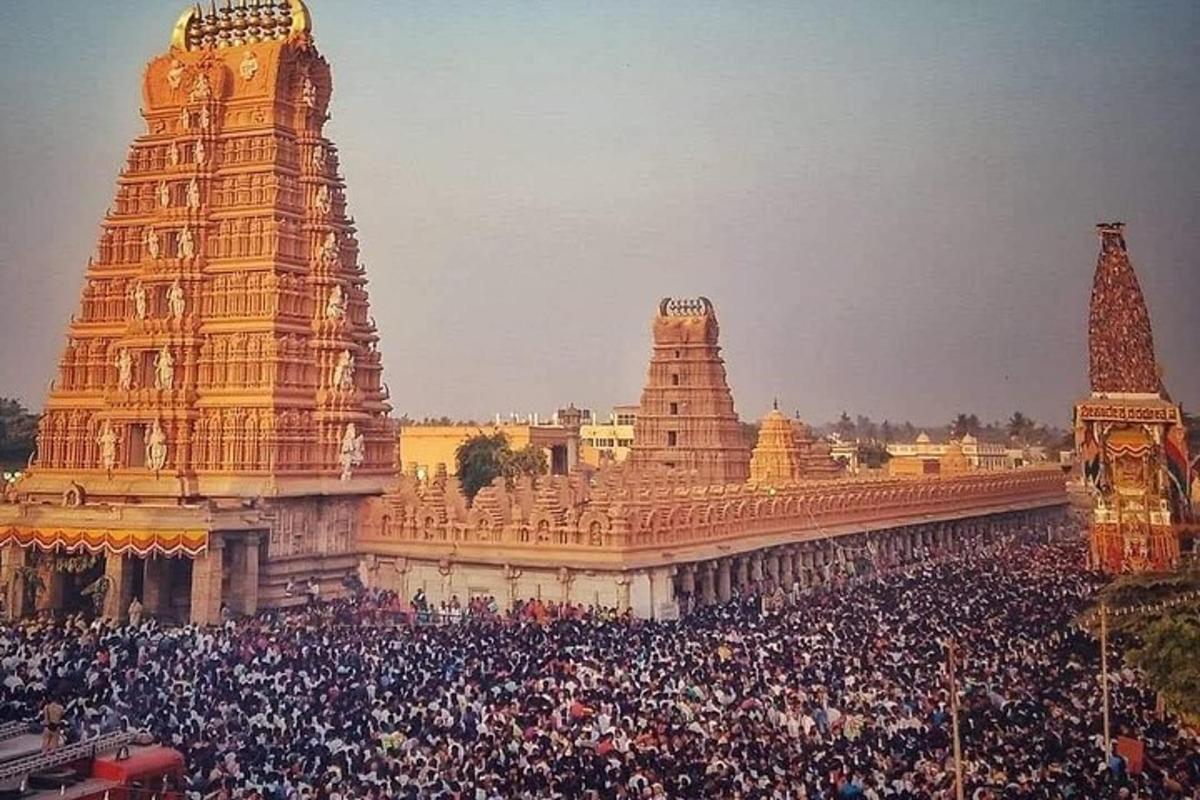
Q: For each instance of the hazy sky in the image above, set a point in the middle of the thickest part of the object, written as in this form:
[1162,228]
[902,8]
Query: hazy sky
[891,204]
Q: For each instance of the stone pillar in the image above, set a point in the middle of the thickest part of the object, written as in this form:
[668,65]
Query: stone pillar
[742,575]
[154,588]
[724,591]
[756,568]
[708,583]
[206,583]
[787,568]
[13,558]
[772,563]
[622,582]
[687,579]
[119,571]
[243,575]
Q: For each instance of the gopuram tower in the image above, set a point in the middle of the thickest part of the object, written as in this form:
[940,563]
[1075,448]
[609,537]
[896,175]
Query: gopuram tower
[1129,433]
[219,397]
[686,420]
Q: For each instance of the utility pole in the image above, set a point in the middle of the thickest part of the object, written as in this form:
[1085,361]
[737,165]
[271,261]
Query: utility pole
[1104,676]
[952,669]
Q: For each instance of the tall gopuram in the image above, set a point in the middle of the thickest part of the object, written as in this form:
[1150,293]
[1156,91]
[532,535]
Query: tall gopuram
[1129,433]
[686,420]
[218,413]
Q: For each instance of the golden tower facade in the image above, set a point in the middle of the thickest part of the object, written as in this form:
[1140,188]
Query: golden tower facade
[223,345]
[686,419]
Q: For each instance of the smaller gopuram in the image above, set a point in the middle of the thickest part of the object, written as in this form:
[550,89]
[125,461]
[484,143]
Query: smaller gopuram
[686,419]
[1129,433]
[787,452]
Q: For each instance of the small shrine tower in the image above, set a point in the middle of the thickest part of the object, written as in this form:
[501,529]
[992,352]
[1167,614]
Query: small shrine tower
[686,419]
[1129,433]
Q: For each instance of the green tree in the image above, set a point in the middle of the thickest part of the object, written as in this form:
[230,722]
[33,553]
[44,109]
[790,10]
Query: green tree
[1021,427]
[964,424]
[885,432]
[18,432]
[844,427]
[480,460]
[529,460]
[1168,656]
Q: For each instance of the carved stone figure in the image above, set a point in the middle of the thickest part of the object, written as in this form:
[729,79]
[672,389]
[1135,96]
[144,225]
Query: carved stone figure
[187,247]
[164,194]
[201,90]
[324,204]
[350,454]
[139,301]
[175,74]
[156,448]
[329,249]
[199,151]
[336,307]
[249,66]
[308,93]
[164,369]
[193,194]
[343,371]
[107,440]
[185,119]
[152,243]
[205,119]
[124,370]
[175,302]
[173,154]
[318,157]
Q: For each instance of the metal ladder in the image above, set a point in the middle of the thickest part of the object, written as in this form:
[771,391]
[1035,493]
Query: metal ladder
[88,748]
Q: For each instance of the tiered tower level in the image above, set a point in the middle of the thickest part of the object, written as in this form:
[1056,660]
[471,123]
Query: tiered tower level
[223,345]
[686,420]
[1130,434]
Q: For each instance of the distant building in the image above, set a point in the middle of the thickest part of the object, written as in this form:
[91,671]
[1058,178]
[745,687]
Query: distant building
[924,456]
[424,447]
[607,442]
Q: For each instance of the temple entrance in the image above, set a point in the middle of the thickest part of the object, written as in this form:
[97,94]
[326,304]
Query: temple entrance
[77,572]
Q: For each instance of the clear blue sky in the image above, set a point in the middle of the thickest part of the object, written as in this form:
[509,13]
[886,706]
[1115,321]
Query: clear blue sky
[891,204]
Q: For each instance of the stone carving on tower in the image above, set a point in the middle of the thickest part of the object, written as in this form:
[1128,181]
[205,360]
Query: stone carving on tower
[686,420]
[1129,433]
[226,288]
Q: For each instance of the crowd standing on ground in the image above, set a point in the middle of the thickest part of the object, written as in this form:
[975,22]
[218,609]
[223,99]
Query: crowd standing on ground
[839,693]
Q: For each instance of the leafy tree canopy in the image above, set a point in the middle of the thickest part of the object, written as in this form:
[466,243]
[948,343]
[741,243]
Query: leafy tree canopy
[18,432]
[484,457]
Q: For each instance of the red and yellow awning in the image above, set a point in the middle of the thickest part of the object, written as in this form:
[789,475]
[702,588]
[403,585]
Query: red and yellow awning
[188,543]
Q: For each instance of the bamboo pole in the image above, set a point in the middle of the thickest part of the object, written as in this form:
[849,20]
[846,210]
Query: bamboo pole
[951,664]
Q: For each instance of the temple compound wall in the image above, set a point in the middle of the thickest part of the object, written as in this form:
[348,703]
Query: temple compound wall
[647,543]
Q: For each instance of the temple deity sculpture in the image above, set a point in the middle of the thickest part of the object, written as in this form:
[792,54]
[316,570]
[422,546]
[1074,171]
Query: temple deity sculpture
[175,74]
[185,119]
[343,371]
[249,66]
[187,248]
[351,451]
[107,441]
[175,302]
[201,90]
[193,194]
[152,243]
[336,307]
[308,93]
[139,300]
[324,204]
[205,119]
[164,369]
[124,366]
[156,448]
[198,153]
[173,154]
[164,194]
[329,249]
[318,157]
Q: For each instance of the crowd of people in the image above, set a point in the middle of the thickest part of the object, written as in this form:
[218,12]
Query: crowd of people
[841,692]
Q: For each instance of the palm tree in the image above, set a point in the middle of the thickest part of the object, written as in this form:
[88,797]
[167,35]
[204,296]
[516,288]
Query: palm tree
[1020,427]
